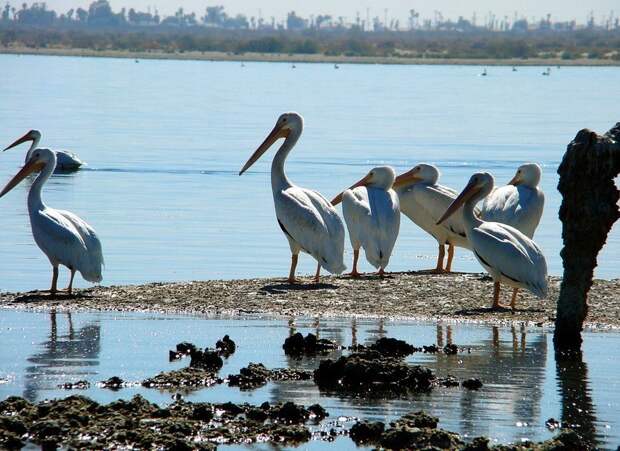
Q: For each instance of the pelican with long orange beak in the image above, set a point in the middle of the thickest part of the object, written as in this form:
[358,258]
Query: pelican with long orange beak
[520,203]
[508,255]
[424,200]
[65,161]
[308,220]
[370,209]
[65,238]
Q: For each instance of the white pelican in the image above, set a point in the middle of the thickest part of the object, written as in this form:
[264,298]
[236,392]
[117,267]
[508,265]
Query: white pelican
[520,203]
[308,220]
[508,255]
[65,161]
[370,209]
[64,237]
[423,200]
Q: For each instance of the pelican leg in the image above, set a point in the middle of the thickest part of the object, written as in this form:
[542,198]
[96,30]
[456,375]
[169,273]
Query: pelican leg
[496,291]
[450,257]
[439,268]
[70,287]
[513,301]
[54,288]
[318,273]
[356,256]
[291,275]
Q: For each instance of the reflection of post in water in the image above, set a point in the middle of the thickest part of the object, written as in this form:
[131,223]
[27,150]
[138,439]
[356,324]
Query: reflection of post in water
[62,356]
[354,332]
[440,335]
[291,326]
[577,406]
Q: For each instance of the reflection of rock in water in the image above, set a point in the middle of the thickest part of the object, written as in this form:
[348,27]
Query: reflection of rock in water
[577,406]
[65,355]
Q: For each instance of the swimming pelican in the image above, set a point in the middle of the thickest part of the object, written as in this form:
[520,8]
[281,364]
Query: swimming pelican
[520,203]
[308,220]
[424,200]
[370,209]
[65,161]
[508,255]
[64,237]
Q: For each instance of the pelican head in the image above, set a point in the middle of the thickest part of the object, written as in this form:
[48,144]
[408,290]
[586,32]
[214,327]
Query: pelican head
[381,177]
[37,161]
[528,174]
[423,172]
[479,186]
[286,124]
[32,135]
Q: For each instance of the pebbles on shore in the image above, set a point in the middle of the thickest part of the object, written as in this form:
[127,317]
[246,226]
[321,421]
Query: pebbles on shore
[404,295]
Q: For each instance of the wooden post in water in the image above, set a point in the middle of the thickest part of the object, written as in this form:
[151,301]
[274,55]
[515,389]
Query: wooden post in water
[588,211]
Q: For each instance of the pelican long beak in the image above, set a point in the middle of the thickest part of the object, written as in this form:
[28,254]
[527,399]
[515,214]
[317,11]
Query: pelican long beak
[469,191]
[407,177]
[21,140]
[516,180]
[21,175]
[277,133]
[363,182]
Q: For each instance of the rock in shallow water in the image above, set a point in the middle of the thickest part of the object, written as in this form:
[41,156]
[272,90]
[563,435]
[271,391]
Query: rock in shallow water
[372,374]
[298,345]
[256,375]
[80,423]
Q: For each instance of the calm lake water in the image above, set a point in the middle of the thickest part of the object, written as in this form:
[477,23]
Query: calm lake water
[164,141]
[524,383]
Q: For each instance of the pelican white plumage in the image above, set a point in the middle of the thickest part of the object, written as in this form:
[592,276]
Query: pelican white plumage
[65,161]
[520,203]
[371,212]
[308,220]
[424,200]
[65,238]
[508,255]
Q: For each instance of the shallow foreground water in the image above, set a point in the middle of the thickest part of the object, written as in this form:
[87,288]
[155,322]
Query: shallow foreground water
[164,141]
[524,383]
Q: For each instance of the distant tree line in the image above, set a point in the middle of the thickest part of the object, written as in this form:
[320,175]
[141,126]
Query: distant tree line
[100,28]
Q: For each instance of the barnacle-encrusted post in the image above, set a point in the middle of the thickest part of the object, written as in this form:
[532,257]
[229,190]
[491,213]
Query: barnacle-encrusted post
[588,211]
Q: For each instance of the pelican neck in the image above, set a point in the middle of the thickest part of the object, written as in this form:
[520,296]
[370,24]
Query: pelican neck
[279,180]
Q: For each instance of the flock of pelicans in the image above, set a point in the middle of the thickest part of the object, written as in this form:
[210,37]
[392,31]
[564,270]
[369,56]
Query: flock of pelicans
[499,234]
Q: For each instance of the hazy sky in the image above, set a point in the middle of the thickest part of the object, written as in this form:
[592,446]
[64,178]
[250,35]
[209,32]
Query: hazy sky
[559,9]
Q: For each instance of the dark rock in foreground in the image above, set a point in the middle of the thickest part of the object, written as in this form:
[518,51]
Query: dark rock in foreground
[298,345]
[190,378]
[80,423]
[472,384]
[226,346]
[208,360]
[79,385]
[256,375]
[113,383]
[371,374]
[418,431]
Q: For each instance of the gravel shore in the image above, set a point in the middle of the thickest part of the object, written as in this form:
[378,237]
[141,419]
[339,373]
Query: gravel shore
[306,58]
[416,295]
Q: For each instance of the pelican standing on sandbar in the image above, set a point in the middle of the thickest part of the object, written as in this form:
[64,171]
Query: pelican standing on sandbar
[65,161]
[371,212]
[520,203]
[64,237]
[424,200]
[508,255]
[308,220]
